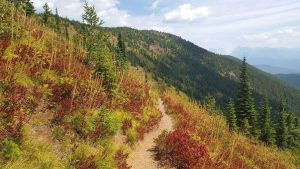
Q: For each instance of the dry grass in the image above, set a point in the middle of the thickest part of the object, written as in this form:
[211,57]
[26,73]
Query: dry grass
[226,149]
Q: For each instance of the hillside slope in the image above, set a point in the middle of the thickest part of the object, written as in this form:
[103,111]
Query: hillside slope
[54,111]
[203,140]
[196,71]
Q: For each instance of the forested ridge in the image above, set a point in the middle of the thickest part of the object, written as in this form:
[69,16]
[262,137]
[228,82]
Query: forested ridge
[198,72]
[78,95]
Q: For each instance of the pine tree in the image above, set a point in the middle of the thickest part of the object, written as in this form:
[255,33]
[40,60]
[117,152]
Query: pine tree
[281,129]
[29,8]
[246,128]
[296,122]
[90,16]
[245,105]
[210,104]
[92,20]
[231,117]
[293,131]
[267,131]
[46,14]
[25,5]
[57,21]
[122,58]
[98,52]
[66,30]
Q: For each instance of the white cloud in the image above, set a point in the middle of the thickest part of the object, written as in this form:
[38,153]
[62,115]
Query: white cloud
[185,13]
[107,10]
[155,4]
[287,37]
[162,29]
[224,23]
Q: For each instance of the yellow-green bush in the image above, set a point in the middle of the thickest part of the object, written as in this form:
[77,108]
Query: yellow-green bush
[58,133]
[10,150]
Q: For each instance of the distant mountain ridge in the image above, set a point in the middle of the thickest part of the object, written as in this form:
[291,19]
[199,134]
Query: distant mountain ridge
[275,69]
[287,58]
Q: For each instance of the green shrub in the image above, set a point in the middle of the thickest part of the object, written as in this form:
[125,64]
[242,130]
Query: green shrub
[84,123]
[111,121]
[161,145]
[23,80]
[58,133]
[132,135]
[82,152]
[10,150]
[106,158]
[77,121]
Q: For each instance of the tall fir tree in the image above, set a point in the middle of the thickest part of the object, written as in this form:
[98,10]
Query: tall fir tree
[90,16]
[245,108]
[98,52]
[293,139]
[267,130]
[281,127]
[46,14]
[231,116]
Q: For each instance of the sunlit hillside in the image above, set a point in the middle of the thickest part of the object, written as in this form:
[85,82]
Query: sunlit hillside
[76,95]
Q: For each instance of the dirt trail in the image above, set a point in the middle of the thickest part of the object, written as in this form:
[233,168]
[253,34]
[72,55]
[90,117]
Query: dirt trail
[142,157]
[41,131]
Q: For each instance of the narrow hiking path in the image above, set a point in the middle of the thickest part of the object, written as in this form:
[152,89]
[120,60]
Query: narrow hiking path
[142,157]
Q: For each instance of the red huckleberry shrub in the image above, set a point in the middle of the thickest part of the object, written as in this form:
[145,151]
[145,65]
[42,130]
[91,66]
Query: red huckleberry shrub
[186,152]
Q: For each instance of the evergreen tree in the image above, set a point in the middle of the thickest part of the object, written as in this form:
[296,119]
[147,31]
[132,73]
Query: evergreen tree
[281,130]
[210,104]
[122,58]
[293,139]
[231,117]
[296,122]
[57,21]
[98,52]
[92,20]
[245,105]
[25,5]
[46,14]
[267,131]
[29,8]
[246,128]
[66,30]
[90,16]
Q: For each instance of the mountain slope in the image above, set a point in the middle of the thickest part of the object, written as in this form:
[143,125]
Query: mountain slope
[291,79]
[196,71]
[55,112]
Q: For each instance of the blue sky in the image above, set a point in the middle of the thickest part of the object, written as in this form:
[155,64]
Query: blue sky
[219,25]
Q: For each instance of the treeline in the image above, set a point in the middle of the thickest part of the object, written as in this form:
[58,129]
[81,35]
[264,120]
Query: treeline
[281,130]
